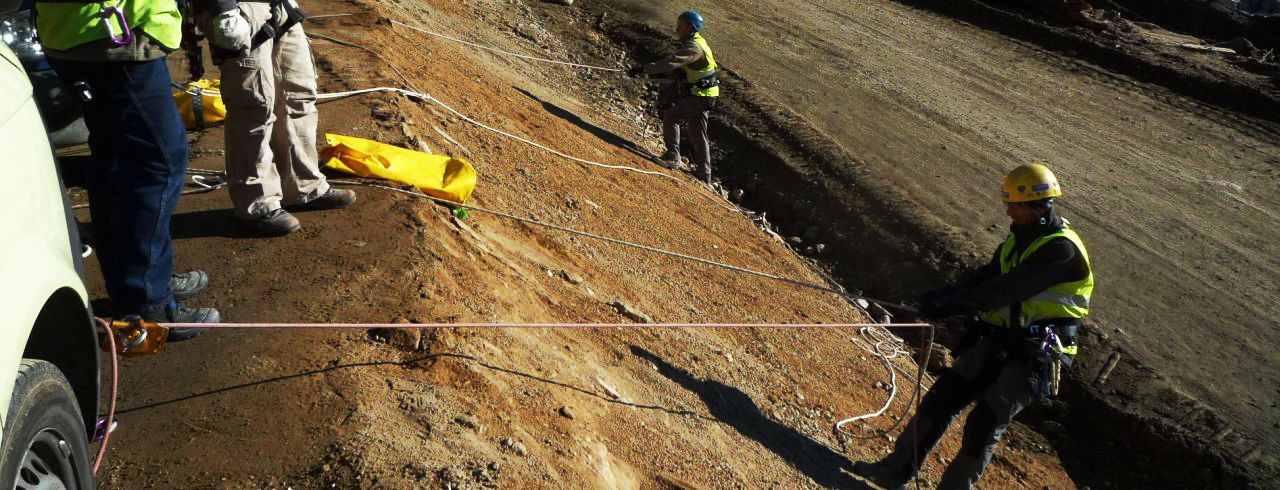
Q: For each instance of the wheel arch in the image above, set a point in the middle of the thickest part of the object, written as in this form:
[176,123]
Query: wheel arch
[64,334]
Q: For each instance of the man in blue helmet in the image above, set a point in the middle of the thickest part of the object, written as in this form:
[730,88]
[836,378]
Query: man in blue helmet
[697,85]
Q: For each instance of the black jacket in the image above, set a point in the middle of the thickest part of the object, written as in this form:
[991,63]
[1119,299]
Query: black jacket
[986,289]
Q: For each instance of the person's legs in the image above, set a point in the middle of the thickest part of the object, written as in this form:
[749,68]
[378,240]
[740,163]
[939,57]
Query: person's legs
[698,121]
[951,393]
[140,157]
[294,139]
[249,92]
[671,119]
[1012,391]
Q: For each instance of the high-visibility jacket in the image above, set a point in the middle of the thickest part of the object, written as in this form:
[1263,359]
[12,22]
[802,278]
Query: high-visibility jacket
[1067,300]
[699,79]
[67,24]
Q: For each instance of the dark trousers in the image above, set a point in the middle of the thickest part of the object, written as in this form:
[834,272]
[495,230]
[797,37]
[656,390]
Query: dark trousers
[694,112]
[1000,379]
[139,160]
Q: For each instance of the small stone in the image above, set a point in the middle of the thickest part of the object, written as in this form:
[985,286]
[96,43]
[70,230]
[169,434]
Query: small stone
[326,468]
[564,2]
[820,248]
[507,442]
[566,412]
[571,277]
[795,240]
[519,449]
[469,421]
[736,195]
[879,385]
[630,312]
[862,303]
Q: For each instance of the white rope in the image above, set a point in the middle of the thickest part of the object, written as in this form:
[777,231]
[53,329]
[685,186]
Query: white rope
[508,53]
[885,346]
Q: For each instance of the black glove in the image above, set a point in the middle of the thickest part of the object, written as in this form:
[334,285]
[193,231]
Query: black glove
[635,71]
[943,308]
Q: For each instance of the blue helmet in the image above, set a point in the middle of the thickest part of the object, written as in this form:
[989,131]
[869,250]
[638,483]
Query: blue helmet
[693,18]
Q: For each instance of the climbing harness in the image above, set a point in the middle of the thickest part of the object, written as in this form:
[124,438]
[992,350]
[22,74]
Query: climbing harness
[1052,356]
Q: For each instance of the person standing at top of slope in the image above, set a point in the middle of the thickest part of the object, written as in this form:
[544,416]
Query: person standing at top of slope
[694,97]
[1023,311]
[269,87]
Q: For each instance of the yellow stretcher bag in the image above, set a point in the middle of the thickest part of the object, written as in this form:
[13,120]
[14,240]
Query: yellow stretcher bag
[200,103]
[440,176]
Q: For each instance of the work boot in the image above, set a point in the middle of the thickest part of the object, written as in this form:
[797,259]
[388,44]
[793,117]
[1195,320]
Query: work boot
[182,314]
[334,199]
[186,284]
[880,474]
[669,160]
[274,223]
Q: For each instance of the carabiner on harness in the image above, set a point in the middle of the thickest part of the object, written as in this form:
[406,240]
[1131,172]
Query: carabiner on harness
[117,38]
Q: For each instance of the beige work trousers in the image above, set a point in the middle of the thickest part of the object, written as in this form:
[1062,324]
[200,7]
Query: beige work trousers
[270,94]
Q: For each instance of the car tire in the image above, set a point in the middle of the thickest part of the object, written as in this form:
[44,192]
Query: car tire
[45,445]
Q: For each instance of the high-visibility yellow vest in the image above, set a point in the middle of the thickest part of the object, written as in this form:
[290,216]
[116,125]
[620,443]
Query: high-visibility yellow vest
[1062,300]
[694,76]
[64,25]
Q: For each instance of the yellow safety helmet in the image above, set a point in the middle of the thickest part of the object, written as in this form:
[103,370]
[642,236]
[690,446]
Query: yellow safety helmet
[1030,182]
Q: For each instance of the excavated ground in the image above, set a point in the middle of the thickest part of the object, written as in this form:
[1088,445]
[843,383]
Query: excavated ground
[1155,180]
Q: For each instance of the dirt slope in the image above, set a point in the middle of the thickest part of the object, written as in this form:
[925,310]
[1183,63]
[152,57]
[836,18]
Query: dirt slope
[1176,199]
[481,408]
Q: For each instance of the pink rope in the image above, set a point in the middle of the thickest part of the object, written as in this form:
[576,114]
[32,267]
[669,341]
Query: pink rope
[115,384]
[574,326]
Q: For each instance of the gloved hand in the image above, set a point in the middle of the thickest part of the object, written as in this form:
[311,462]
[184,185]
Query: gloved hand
[195,52]
[943,308]
[231,31]
[635,71]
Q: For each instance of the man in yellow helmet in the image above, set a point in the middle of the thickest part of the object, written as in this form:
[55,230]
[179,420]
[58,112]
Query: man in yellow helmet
[697,86]
[1023,310]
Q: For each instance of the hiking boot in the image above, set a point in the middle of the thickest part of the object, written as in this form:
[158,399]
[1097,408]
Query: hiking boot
[187,284]
[669,161]
[334,199]
[275,223]
[182,314]
[880,474]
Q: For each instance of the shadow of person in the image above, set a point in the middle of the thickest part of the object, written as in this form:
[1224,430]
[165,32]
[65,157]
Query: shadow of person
[208,223]
[736,409]
[599,132]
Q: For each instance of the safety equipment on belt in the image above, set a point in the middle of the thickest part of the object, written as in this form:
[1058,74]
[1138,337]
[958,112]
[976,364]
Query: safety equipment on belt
[1066,302]
[693,18]
[1030,182]
[703,82]
[1056,350]
[65,24]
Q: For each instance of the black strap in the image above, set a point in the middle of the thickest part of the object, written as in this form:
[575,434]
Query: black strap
[293,16]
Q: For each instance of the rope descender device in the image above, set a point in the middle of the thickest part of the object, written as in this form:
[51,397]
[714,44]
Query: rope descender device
[117,38]
[135,336]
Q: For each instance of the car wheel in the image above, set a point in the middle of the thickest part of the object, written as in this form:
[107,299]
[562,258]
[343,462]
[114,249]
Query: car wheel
[45,446]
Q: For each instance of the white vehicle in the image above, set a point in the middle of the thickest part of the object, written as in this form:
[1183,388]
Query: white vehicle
[48,344]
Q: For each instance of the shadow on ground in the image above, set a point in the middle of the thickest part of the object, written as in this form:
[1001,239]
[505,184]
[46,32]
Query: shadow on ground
[736,409]
[599,132]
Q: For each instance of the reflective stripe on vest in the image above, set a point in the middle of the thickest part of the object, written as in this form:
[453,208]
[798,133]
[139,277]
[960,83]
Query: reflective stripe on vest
[692,76]
[65,25]
[1062,300]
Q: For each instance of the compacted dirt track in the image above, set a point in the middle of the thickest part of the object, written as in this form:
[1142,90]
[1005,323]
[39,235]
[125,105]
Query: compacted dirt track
[1174,198]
